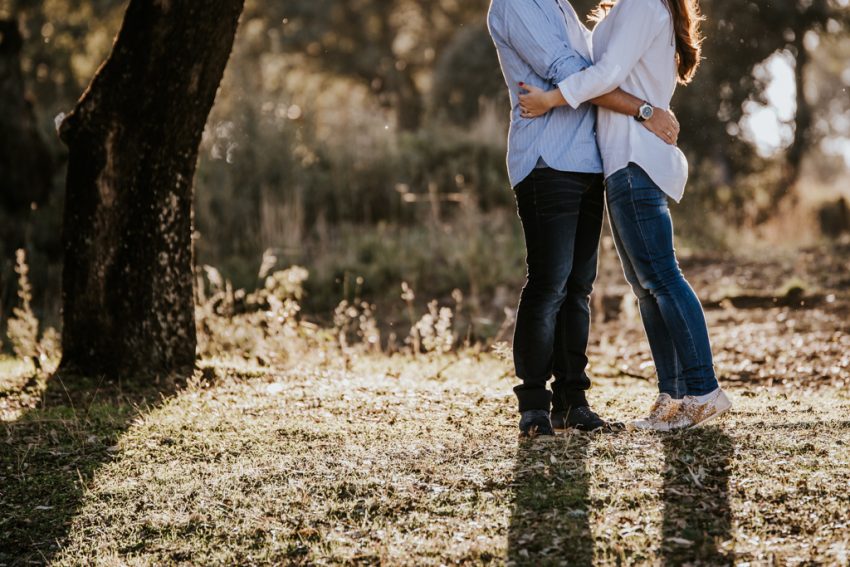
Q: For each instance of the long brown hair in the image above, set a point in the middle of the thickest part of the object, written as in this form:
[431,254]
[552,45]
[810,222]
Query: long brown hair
[686,26]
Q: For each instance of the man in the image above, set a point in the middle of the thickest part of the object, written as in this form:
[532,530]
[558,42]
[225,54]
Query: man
[556,172]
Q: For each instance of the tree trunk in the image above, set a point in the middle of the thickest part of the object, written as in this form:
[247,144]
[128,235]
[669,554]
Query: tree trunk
[133,146]
[803,119]
[409,103]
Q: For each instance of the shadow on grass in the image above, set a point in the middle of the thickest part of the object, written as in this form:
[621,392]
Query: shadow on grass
[51,452]
[697,517]
[550,523]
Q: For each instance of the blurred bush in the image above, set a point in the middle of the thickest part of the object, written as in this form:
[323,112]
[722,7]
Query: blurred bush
[467,78]
[834,218]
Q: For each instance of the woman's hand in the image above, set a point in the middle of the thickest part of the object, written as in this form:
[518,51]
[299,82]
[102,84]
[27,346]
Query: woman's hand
[536,102]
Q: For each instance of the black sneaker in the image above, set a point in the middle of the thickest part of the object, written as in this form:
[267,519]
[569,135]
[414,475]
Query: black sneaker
[534,423]
[582,418]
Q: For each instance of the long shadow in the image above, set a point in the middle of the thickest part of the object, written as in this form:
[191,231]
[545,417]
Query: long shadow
[49,455]
[697,517]
[550,521]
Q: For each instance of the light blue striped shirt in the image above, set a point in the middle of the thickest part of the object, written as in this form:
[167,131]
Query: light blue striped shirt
[534,47]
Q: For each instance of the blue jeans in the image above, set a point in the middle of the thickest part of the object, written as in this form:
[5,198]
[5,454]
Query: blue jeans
[671,313]
[561,217]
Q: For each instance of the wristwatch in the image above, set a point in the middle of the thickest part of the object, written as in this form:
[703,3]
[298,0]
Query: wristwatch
[645,112]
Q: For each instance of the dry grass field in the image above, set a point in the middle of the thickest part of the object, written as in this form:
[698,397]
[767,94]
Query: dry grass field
[392,461]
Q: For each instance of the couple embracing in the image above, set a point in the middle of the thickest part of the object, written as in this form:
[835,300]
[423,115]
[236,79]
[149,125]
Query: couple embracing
[591,124]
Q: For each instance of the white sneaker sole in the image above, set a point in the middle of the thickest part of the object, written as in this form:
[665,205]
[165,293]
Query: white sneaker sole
[643,425]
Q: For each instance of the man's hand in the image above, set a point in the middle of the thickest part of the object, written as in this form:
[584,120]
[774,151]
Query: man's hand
[664,125]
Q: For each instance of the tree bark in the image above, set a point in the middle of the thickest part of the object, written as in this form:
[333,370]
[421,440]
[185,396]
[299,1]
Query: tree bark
[133,141]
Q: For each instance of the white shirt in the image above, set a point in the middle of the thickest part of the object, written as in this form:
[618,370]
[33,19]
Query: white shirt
[634,48]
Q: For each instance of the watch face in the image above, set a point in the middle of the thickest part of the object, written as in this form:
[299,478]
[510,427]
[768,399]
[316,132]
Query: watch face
[646,111]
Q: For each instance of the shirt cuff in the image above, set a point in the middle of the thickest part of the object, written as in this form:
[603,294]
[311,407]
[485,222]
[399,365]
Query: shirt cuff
[565,92]
[591,83]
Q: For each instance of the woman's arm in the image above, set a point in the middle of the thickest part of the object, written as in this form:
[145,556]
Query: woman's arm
[638,24]
[537,102]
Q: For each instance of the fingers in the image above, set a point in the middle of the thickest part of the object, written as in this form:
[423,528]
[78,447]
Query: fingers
[667,128]
[529,89]
[526,105]
[529,101]
[663,131]
[523,109]
[673,133]
[674,126]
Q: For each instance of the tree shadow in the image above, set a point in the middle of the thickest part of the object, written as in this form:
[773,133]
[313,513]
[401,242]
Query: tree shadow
[550,523]
[49,455]
[697,517]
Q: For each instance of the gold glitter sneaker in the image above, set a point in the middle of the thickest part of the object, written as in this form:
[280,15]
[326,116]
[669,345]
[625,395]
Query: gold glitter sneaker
[661,415]
[695,412]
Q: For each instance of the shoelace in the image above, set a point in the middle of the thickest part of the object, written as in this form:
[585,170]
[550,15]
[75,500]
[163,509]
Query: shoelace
[661,409]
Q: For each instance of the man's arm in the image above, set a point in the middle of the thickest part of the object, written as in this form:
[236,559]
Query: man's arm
[663,122]
[533,37]
[619,101]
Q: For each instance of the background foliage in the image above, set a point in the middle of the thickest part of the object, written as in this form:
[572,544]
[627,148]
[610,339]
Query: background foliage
[365,138]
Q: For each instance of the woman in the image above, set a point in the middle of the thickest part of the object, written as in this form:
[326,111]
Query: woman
[646,47]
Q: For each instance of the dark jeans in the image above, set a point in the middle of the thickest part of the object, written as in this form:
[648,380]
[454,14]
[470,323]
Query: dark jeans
[671,313]
[562,220]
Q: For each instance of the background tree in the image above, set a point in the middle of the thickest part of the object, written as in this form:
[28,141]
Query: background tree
[60,44]
[740,37]
[390,45]
[26,163]
[467,77]
[133,141]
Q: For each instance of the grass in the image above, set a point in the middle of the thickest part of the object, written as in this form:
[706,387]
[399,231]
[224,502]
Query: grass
[412,462]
